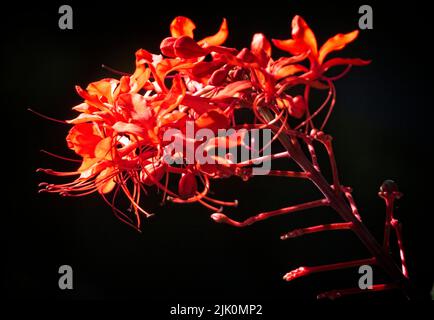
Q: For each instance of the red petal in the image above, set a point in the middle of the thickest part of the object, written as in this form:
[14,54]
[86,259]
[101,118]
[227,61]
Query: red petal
[303,39]
[185,47]
[152,174]
[213,119]
[232,89]
[136,105]
[217,39]
[174,96]
[103,89]
[261,48]
[182,26]
[337,42]
[123,127]
[85,117]
[289,71]
[260,43]
[187,185]
[107,181]
[104,149]
[301,31]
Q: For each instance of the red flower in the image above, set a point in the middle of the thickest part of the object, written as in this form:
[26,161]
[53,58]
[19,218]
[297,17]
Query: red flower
[303,42]
[119,131]
[181,43]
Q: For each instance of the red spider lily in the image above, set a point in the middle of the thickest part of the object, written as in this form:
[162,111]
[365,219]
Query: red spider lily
[119,133]
[119,130]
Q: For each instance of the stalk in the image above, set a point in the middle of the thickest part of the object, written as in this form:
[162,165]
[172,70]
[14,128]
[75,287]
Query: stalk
[338,203]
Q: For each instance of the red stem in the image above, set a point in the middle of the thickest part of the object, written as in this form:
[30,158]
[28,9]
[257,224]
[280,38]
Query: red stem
[323,227]
[338,203]
[304,271]
[222,218]
[333,294]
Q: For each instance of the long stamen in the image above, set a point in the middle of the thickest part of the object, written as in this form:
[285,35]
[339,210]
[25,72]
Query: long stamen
[60,157]
[120,73]
[46,117]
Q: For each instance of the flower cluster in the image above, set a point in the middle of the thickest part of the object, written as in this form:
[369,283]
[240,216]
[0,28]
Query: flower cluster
[120,127]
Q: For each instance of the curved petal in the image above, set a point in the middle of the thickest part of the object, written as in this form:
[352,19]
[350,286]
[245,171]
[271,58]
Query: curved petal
[185,47]
[288,70]
[292,46]
[103,88]
[261,48]
[219,38]
[303,39]
[302,32]
[105,180]
[213,120]
[337,42]
[260,42]
[182,26]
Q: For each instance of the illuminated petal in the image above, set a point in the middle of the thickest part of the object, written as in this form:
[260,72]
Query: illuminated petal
[103,89]
[217,39]
[303,39]
[104,149]
[167,66]
[105,181]
[337,42]
[232,89]
[174,96]
[182,26]
[123,127]
[83,140]
[302,32]
[84,117]
[151,174]
[218,77]
[213,119]
[92,100]
[288,71]
[260,43]
[261,48]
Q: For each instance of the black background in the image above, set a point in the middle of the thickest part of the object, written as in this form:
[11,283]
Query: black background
[382,129]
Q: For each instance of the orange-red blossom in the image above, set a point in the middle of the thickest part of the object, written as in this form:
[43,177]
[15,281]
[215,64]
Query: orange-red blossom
[118,131]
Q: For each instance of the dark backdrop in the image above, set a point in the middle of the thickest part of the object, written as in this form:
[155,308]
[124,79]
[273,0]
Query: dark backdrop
[382,129]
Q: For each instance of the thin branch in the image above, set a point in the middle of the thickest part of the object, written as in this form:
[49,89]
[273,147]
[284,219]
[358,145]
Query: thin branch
[323,227]
[334,294]
[222,218]
[304,271]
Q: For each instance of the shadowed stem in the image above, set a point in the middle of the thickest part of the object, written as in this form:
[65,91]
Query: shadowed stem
[338,203]
[323,227]
[222,218]
[333,294]
[304,271]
